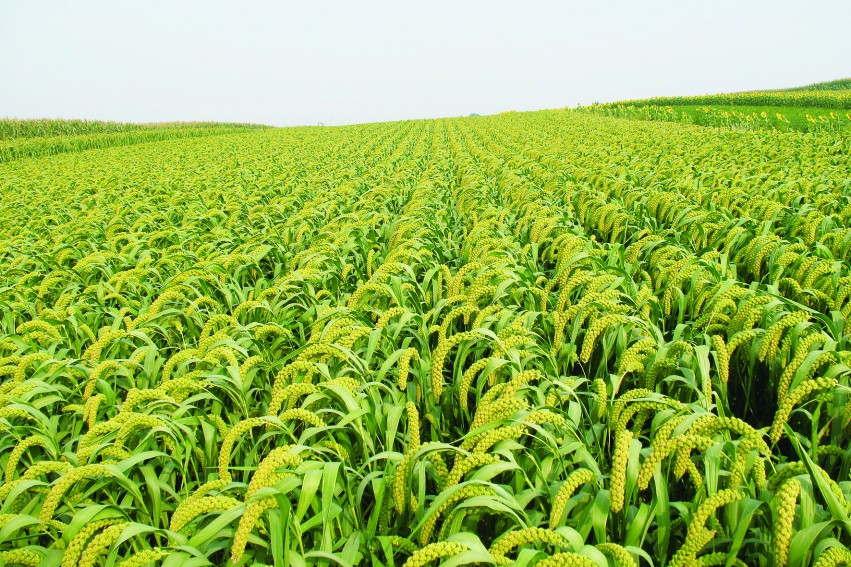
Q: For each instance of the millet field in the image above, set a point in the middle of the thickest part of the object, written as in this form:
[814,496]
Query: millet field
[617,335]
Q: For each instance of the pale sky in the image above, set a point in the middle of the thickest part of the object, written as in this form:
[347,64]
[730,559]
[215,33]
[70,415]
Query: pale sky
[291,63]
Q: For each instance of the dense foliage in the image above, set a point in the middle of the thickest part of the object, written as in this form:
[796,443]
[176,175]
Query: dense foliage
[30,138]
[839,84]
[550,338]
[15,128]
[821,107]
[837,97]
[779,118]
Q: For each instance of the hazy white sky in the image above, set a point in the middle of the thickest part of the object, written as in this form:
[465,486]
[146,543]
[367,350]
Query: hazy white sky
[287,63]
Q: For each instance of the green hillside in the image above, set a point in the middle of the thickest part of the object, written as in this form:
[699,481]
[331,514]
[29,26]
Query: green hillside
[814,108]
[837,85]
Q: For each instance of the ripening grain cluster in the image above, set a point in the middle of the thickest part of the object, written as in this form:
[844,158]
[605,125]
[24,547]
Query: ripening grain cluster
[551,338]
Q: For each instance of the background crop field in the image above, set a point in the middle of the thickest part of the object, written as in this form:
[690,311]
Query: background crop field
[822,107]
[565,337]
